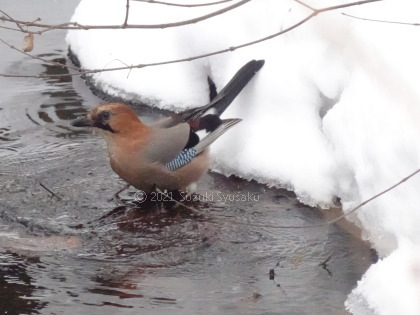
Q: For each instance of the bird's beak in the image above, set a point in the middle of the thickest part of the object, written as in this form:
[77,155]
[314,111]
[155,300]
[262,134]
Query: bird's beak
[82,122]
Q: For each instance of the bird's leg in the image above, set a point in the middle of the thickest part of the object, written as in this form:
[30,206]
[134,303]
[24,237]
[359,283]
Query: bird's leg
[117,194]
[154,188]
[190,190]
[159,206]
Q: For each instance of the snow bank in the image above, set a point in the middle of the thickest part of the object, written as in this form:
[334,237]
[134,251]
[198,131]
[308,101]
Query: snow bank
[391,286]
[335,111]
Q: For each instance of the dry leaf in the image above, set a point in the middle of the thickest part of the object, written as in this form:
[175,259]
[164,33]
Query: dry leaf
[28,43]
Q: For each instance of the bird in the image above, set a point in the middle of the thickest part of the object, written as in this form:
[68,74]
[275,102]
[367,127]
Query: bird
[168,154]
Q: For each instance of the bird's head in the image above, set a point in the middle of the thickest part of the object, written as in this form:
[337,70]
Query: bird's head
[110,119]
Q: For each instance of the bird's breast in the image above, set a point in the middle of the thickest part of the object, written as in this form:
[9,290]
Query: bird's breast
[133,167]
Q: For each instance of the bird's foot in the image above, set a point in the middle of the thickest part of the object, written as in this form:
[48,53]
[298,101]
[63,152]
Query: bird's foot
[116,196]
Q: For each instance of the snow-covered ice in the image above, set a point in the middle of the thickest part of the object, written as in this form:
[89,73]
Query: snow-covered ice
[334,112]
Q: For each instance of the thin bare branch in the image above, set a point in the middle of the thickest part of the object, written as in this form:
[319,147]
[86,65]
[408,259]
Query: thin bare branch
[56,27]
[184,5]
[305,5]
[328,222]
[138,66]
[345,5]
[54,63]
[49,190]
[374,197]
[17,24]
[380,21]
[126,14]
[78,26]
[13,29]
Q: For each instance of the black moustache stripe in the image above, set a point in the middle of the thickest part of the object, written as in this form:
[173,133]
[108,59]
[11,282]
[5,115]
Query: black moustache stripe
[101,125]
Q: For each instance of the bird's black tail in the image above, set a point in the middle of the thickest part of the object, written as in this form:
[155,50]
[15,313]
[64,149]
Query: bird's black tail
[219,103]
[235,86]
[229,92]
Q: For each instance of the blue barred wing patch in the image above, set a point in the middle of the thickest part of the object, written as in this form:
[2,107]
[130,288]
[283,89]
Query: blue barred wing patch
[182,159]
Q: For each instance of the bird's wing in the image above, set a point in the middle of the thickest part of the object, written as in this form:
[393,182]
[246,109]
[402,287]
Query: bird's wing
[167,122]
[188,154]
[167,143]
[212,136]
[177,118]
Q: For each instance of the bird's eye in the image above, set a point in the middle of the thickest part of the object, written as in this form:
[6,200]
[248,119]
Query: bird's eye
[106,114]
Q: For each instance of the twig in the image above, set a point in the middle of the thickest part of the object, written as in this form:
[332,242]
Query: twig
[126,14]
[59,26]
[380,21]
[342,6]
[78,26]
[324,265]
[184,5]
[31,119]
[128,67]
[12,29]
[305,5]
[17,24]
[374,197]
[52,193]
[54,63]
[325,261]
[138,66]
[338,218]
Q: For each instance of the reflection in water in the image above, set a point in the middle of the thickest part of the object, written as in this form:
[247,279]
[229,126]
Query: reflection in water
[67,104]
[5,134]
[17,288]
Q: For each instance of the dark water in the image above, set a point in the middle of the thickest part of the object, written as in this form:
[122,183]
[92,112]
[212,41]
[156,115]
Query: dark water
[76,252]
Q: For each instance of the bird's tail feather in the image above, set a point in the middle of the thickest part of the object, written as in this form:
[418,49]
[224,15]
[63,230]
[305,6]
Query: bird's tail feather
[222,100]
[235,86]
[230,91]
[211,137]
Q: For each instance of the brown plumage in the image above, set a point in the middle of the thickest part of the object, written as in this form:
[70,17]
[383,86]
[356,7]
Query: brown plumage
[168,154]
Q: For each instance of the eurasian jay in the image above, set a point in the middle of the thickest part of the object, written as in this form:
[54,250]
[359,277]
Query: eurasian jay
[167,154]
